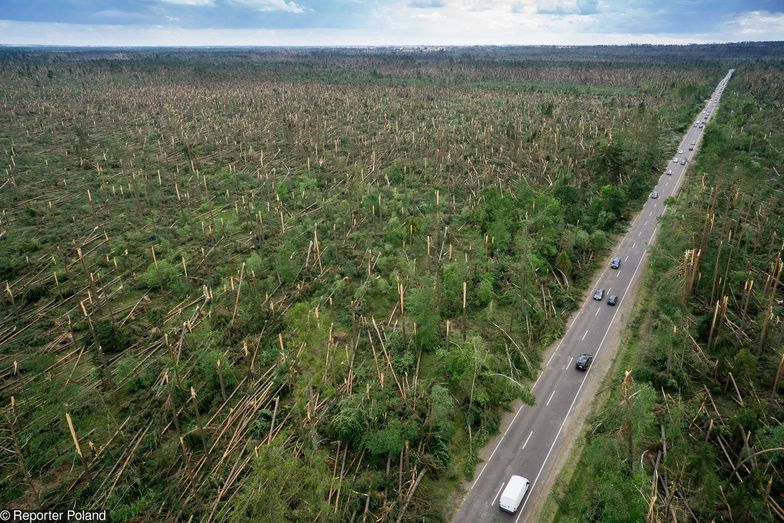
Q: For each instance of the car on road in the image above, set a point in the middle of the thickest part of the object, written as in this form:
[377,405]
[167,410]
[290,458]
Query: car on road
[691,147]
[612,300]
[701,126]
[583,362]
[683,161]
[654,195]
[598,295]
[669,172]
[615,263]
[675,159]
[680,151]
[513,494]
[694,143]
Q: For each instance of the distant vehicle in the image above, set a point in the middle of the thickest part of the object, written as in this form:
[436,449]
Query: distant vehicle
[691,147]
[669,172]
[701,126]
[680,151]
[694,143]
[598,295]
[615,263]
[654,195]
[675,159]
[513,494]
[683,161]
[612,300]
[583,362]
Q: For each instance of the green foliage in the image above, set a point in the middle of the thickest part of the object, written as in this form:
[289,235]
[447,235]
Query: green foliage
[283,487]
[111,337]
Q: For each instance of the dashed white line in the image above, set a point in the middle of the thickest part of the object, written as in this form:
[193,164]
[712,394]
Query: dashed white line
[596,314]
[499,492]
[560,429]
[634,245]
[526,439]
[586,333]
[619,272]
[550,398]
[568,365]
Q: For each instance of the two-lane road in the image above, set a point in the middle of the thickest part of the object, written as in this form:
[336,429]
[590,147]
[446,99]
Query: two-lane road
[537,433]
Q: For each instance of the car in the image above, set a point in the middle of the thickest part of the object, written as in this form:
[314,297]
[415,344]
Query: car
[675,159]
[513,494]
[691,147]
[669,172]
[612,300]
[694,143]
[683,161]
[583,362]
[680,151]
[654,195]
[598,295]
[701,126]
[615,263]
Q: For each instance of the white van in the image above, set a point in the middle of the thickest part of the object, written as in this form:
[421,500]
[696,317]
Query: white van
[513,494]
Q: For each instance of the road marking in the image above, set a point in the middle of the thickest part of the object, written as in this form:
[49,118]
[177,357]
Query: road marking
[526,440]
[560,429]
[570,362]
[597,313]
[650,213]
[550,398]
[644,224]
[499,492]
[627,257]
[633,246]
[678,182]
[586,332]
[619,272]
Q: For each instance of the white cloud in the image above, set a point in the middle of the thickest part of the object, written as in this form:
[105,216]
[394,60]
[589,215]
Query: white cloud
[189,2]
[758,25]
[272,5]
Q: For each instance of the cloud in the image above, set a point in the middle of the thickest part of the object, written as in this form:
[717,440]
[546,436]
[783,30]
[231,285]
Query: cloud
[387,22]
[271,5]
[567,7]
[189,2]
[759,24]
[426,4]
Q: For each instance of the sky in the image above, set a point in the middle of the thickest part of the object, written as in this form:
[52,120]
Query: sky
[386,22]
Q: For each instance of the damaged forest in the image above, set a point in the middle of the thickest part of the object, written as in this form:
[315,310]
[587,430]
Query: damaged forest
[304,285]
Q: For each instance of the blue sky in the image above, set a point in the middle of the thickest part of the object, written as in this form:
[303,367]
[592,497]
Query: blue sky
[387,22]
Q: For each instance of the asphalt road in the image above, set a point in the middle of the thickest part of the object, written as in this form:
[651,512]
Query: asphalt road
[534,444]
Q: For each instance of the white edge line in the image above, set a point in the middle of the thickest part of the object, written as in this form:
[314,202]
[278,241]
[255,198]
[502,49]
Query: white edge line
[601,344]
[498,493]
[677,186]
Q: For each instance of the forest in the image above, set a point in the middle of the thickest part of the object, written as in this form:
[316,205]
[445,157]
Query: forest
[304,285]
[690,426]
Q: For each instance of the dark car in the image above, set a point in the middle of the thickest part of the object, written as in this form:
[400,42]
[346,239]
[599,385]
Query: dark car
[598,295]
[612,299]
[615,263]
[583,362]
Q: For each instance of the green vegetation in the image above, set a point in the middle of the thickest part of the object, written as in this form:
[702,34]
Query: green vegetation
[694,432]
[299,285]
